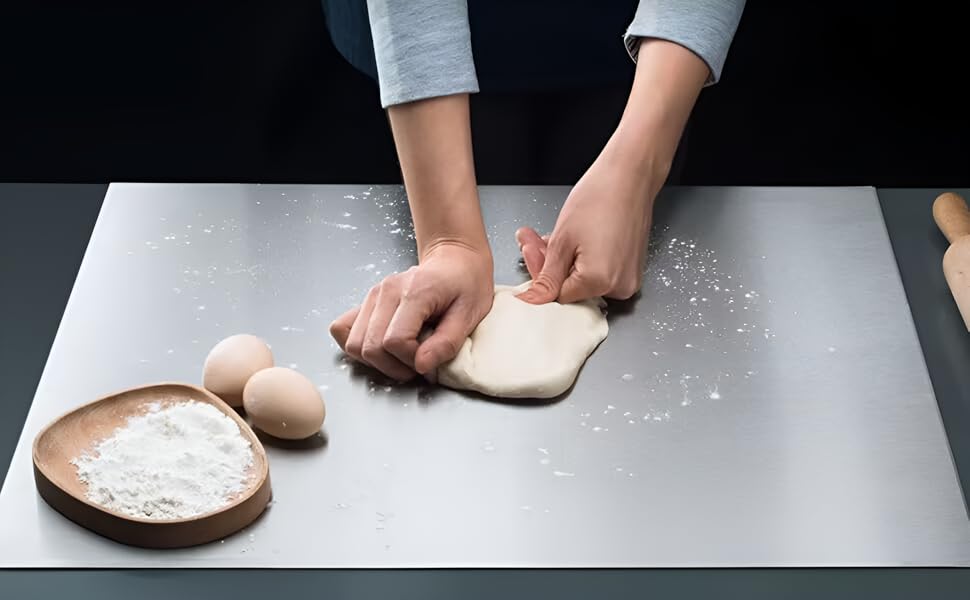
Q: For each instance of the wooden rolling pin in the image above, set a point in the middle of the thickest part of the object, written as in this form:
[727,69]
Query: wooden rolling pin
[953,218]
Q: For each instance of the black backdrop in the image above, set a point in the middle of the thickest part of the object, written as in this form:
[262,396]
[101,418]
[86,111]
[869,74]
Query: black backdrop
[814,93]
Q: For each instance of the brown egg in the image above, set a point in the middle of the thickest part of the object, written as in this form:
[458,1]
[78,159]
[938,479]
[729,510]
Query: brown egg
[231,363]
[284,404]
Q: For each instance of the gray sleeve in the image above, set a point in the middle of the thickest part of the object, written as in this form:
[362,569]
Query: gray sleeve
[423,49]
[705,27]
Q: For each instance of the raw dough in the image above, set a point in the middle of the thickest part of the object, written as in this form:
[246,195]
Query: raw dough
[523,350]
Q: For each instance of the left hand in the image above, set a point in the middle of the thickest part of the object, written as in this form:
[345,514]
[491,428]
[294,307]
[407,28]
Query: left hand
[598,246]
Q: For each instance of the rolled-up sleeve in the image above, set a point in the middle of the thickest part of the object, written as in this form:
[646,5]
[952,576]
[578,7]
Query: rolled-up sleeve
[423,49]
[705,27]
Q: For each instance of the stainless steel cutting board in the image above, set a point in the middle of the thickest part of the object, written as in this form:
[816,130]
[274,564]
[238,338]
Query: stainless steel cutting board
[763,403]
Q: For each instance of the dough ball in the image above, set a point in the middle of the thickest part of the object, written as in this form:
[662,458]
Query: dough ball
[231,363]
[523,350]
[284,404]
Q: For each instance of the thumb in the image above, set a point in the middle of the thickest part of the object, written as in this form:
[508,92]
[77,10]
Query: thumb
[444,343]
[533,249]
[577,288]
[547,285]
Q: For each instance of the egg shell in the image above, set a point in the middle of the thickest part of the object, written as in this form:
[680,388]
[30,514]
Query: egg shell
[231,363]
[284,404]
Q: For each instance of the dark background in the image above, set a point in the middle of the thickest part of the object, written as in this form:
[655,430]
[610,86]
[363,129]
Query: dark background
[814,93]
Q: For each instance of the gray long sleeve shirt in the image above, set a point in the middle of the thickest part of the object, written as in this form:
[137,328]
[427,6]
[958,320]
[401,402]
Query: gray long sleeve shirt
[423,48]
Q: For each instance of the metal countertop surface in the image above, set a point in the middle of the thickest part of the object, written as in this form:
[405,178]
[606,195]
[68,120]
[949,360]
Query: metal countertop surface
[785,419]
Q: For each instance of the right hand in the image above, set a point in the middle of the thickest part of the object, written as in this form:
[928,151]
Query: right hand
[451,290]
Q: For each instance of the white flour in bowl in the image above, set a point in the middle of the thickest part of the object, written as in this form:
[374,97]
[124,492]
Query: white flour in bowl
[180,461]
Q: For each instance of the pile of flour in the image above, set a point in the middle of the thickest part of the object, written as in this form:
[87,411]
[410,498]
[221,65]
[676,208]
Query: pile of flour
[179,461]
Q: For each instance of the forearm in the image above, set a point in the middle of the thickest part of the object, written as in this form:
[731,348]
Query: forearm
[433,139]
[668,80]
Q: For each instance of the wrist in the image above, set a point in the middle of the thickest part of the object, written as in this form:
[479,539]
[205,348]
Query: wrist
[467,244]
[632,156]
[477,253]
[449,217]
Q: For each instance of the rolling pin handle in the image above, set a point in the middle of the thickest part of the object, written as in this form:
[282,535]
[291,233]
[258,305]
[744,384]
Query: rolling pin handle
[952,216]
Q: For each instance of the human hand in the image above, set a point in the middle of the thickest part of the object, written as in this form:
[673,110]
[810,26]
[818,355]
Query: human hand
[451,289]
[598,246]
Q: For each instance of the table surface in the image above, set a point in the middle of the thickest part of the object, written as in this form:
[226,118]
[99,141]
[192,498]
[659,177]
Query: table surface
[742,413]
[919,249]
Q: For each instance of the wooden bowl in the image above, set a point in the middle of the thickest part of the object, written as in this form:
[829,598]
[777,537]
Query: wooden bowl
[80,430]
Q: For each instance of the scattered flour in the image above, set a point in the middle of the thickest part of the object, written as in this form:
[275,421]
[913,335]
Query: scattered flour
[175,462]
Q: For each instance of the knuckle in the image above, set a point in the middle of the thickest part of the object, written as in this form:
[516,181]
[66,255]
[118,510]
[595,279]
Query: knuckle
[544,282]
[337,329]
[624,293]
[394,343]
[354,348]
[371,352]
[410,289]
[448,348]
[626,288]
[416,290]
[393,340]
[391,282]
[406,279]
